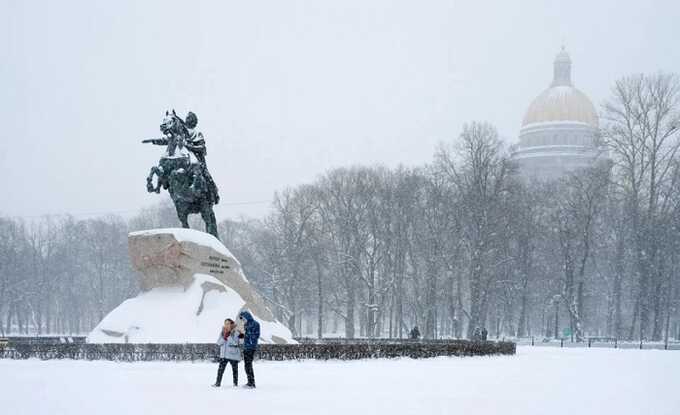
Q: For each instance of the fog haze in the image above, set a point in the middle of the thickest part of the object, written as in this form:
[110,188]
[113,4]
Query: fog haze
[283,90]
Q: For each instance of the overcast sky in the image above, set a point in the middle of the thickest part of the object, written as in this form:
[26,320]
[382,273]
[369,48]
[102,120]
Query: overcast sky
[284,90]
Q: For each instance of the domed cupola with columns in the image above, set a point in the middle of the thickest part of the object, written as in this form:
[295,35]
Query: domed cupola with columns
[559,129]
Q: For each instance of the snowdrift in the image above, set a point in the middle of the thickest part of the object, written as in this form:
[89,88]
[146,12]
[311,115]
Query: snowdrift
[176,315]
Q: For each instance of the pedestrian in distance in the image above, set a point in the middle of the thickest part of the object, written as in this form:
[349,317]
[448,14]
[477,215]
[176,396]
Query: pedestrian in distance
[252,335]
[229,342]
[477,334]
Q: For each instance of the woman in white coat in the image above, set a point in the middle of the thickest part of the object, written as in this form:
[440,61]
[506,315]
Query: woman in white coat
[230,352]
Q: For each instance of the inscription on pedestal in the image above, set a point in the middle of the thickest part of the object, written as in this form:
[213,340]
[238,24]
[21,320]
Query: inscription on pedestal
[216,264]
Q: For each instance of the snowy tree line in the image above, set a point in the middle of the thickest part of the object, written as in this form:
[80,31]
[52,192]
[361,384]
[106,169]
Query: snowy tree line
[462,242]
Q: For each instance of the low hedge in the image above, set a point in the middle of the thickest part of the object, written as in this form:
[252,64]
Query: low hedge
[206,352]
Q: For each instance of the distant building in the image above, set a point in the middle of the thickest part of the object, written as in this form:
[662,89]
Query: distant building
[559,129]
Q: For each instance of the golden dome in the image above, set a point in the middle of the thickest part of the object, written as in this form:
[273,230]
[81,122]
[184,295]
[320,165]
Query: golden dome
[561,102]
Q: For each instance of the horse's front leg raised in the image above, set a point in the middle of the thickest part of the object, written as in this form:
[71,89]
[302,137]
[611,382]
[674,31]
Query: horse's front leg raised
[149,180]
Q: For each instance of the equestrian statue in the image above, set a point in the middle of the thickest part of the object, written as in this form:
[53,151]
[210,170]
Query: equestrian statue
[183,172]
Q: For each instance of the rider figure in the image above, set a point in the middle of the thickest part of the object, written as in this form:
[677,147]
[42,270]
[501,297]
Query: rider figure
[195,142]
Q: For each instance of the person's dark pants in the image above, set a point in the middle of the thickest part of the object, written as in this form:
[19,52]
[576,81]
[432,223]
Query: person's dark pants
[248,356]
[234,371]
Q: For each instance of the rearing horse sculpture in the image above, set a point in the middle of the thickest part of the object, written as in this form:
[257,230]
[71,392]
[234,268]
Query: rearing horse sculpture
[183,179]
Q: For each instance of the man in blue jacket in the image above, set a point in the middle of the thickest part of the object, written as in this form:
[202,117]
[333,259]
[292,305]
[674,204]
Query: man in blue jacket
[252,335]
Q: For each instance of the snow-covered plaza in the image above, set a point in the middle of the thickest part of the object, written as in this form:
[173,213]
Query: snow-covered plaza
[536,381]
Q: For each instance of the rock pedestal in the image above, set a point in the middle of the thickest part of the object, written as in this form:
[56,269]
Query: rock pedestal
[190,283]
[167,257]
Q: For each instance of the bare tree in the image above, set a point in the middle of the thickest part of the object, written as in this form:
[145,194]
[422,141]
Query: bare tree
[579,201]
[479,170]
[642,129]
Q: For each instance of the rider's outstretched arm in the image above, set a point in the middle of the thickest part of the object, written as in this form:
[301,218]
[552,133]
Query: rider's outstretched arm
[157,141]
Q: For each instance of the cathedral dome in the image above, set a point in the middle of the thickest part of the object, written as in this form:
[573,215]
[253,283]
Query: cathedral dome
[562,101]
[559,130]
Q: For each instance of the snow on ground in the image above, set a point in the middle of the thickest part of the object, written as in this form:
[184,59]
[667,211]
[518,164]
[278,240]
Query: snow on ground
[535,381]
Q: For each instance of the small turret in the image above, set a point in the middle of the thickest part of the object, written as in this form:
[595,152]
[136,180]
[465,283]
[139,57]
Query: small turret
[562,69]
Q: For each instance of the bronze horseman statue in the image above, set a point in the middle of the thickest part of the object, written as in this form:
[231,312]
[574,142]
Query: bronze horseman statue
[183,172]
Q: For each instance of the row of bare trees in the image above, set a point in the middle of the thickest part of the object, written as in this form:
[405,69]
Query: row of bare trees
[464,242]
[60,275]
[460,243]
